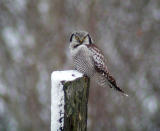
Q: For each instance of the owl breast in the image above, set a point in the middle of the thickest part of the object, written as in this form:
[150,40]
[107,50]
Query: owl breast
[83,61]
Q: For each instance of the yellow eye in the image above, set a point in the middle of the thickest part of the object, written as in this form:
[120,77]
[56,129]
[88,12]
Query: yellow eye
[84,38]
[77,38]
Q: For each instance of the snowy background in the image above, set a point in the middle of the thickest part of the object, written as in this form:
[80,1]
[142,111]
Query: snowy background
[34,41]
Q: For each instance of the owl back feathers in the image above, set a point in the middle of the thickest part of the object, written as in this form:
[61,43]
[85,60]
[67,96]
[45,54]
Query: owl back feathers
[104,77]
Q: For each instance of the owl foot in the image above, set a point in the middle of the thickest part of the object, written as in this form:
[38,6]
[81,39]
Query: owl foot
[84,75]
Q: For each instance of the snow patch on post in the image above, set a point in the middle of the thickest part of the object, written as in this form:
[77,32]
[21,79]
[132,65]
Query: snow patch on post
[57,96]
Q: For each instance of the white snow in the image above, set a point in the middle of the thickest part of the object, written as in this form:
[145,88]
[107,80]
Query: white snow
[57,96]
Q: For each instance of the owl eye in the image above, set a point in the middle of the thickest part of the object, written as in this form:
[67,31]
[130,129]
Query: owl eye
[77,38]
[71,37]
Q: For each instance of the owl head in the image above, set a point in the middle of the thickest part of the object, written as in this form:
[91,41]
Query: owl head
[80,37]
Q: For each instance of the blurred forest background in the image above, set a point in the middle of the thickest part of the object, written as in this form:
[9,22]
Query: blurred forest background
[34,41]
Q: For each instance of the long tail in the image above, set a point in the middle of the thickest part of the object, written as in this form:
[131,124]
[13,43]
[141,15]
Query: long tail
[105,76]
[113,84]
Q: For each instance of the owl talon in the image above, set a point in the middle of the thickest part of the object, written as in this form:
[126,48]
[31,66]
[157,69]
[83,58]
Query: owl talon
[85,76]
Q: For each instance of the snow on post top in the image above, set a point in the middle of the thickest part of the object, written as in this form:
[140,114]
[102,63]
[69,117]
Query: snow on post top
[57,96]
[68,75]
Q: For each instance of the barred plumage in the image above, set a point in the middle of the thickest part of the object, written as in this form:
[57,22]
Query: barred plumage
[83,61]
[90,60]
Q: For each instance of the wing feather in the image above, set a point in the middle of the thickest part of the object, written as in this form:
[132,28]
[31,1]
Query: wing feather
[104,77]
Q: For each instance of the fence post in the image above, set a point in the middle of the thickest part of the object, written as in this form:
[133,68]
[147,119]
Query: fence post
[69,100]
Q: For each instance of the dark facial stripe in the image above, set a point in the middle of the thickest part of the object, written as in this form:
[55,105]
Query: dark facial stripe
[71,37]
[90,40]
[76,45]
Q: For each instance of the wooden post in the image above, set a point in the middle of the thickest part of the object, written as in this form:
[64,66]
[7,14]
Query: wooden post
[69,99]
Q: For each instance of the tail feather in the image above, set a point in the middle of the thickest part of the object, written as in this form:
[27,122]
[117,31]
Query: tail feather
[106,79]
[118,89]
[113,84]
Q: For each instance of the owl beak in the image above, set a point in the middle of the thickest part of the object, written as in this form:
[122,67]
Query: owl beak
[81,41]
